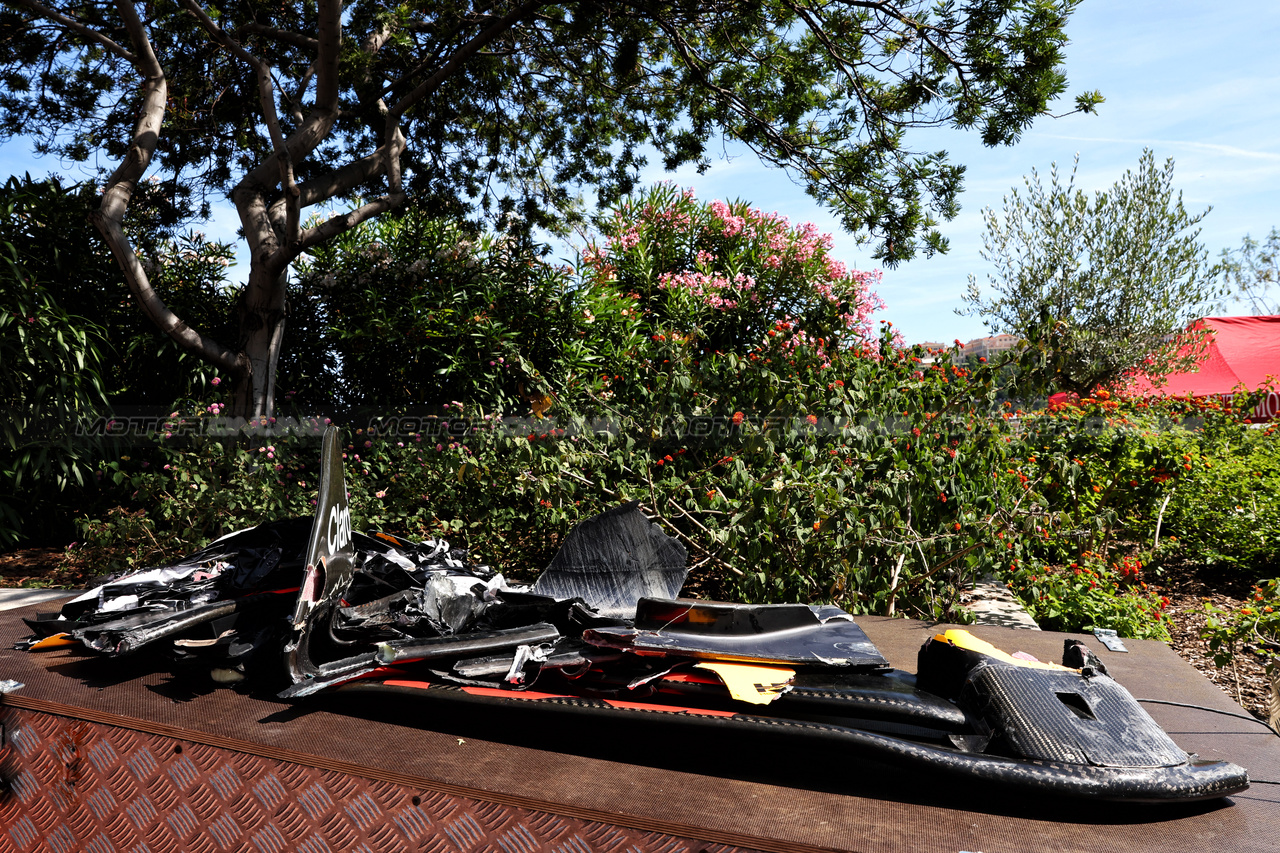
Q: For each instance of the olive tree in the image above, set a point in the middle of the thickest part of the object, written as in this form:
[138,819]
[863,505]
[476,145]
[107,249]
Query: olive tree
[1097,285]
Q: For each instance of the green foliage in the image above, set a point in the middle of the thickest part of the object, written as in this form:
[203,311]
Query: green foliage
[1100,286]
[810,499]
[1226,509]
[1092,593]
[49,227]
[794,466]
[791,468]
[423,312]
[569,99]
[1253,626]
[1109,476]
[120,541]
[51,366]
[1103,467]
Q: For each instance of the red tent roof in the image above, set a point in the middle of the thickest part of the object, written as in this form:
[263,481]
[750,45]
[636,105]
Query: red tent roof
[1241,351]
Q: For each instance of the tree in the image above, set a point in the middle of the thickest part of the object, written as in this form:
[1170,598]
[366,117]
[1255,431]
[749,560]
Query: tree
[503,110]
[1253,270]
[1098,287]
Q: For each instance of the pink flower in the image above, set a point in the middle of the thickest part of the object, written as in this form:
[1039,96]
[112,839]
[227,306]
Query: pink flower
[217,381]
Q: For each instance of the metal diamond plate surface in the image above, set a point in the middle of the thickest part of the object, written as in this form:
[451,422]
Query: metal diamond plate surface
[69,785]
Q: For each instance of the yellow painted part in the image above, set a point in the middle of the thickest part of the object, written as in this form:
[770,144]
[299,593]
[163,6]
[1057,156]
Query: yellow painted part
[965,640]
[54,641]
[758,685]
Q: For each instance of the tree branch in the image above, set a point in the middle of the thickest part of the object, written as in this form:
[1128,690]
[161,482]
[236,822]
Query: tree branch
[335,225]
[80,29]
[426,87]
[285,36]
[337,182]
[267,99]
[109,216]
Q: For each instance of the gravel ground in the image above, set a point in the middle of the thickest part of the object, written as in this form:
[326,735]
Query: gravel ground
[1187,587]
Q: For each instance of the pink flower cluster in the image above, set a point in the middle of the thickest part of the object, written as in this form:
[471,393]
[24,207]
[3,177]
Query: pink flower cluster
[712,289]
[732,256]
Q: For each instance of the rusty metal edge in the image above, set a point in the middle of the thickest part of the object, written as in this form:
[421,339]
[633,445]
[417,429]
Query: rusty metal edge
[766,845]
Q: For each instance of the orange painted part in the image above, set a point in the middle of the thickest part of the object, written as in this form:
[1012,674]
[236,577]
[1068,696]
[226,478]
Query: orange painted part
[513,694]
[55,641]
[672,709]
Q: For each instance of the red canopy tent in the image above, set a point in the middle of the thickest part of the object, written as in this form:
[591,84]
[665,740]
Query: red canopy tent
[1242,353]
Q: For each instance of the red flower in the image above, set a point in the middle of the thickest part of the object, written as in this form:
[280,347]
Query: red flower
[737,418]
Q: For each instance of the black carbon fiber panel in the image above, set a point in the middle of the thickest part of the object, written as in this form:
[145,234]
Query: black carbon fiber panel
[1063,716]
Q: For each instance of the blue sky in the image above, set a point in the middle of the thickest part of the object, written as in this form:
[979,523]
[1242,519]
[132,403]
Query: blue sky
[1194,81]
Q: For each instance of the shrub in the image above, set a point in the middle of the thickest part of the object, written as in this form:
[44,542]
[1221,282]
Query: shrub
[420,312]
[726,273]
[1092,593]
[52,377]
[797,456]
[1226,508]
[795,467]
[1253,626]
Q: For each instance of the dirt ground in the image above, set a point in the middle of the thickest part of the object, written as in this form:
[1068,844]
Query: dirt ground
[1186,586]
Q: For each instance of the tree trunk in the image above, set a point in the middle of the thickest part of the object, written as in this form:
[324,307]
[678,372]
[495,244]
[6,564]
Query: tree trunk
[263,311]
